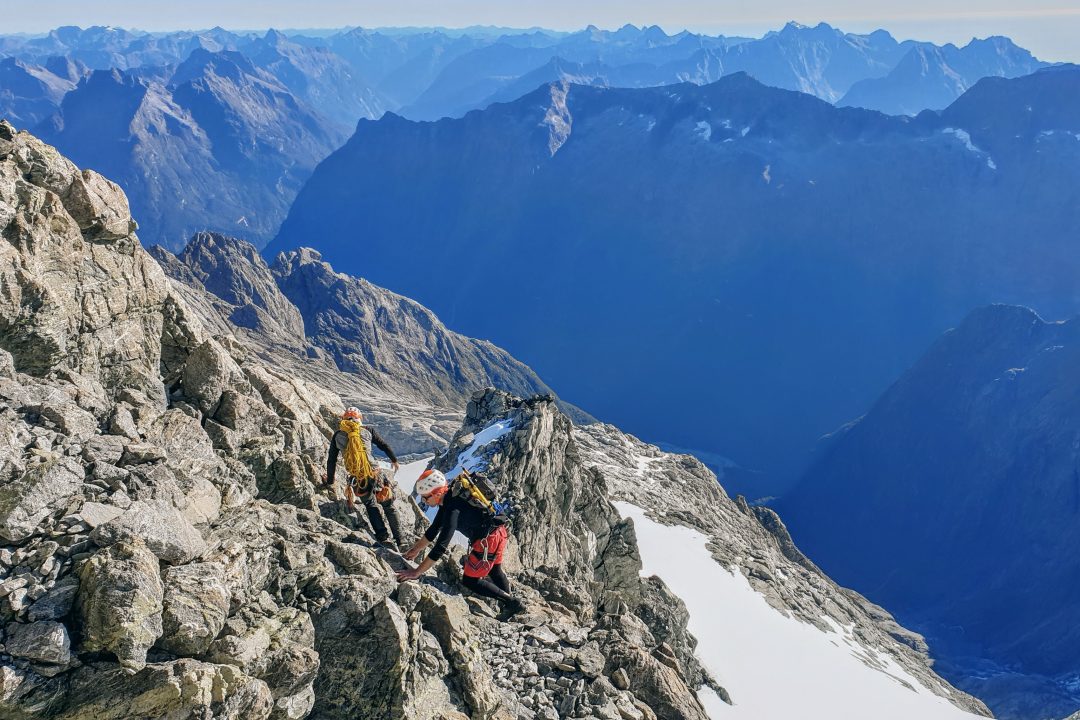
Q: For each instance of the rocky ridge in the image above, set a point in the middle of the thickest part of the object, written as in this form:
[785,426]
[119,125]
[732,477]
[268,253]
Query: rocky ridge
[753,540]
[166,554]
[384,353]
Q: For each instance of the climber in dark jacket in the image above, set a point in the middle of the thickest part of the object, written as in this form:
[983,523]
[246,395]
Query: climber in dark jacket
[366,481]
[487,541]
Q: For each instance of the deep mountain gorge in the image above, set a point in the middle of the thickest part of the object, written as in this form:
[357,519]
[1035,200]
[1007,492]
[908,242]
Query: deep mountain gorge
[731,268]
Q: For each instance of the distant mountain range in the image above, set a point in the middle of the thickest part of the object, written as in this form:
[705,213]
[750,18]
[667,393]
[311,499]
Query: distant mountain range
[219,144]
[929,77]
[873,71]
[965,478]
[273,105]
[732,267]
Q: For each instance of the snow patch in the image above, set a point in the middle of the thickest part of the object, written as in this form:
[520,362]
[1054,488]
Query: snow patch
[965,137]
[745,131]
[766,174]
[703,129]
[468,458]
[774,666]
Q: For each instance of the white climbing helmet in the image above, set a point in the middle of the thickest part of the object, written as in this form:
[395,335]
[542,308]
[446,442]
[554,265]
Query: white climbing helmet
[429,481]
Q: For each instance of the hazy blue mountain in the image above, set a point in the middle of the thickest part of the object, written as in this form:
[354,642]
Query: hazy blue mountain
[965,478]
[104,48]
[30,93]
[821,61]
[319,77]
[932,77]
[467,82]
[730,267]
[400,66]
[433,73]
[223,146]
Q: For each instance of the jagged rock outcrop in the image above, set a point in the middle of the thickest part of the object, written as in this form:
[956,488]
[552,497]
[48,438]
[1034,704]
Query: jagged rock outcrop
[385,353]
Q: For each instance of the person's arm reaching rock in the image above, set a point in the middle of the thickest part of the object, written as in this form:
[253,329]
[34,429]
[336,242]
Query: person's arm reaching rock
[377,440]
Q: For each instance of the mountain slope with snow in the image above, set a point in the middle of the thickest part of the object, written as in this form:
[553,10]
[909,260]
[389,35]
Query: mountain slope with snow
[965,475]
[774,666]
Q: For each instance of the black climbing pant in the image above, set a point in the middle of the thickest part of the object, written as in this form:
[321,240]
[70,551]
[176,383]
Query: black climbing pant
[496,585]
[376,520]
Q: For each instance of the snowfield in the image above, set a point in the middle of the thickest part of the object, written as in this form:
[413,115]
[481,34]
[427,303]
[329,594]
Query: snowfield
[775,667]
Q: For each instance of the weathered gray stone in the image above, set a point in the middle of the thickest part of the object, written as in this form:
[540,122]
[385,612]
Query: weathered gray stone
[137,453]
[122,423]
[164,530]
[99,311]
[120,602]
[99,207]
[57,602]
[7,364]
[41,642]
[94,514]
[181,690]
[208,374]
[44,489]
[196,603]
[277,649]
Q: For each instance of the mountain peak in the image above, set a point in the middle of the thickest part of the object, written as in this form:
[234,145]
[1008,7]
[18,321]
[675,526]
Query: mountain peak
[275,37]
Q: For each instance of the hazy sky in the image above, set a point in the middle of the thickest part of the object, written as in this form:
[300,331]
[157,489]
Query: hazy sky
[1049,28]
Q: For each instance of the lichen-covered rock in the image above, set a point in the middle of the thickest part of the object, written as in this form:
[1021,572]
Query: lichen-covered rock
[98,312]
[120,602]
[45,488]
[180,690]
[160,525]
[196,603]
[40,642]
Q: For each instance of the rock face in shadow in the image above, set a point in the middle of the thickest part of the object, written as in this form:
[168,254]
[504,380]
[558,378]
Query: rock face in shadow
[677,254]
[975,447]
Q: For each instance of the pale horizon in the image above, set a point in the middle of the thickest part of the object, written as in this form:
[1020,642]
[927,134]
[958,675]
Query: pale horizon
[1048,31]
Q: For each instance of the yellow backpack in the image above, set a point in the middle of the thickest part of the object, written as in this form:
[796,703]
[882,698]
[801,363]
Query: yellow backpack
[357,460]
